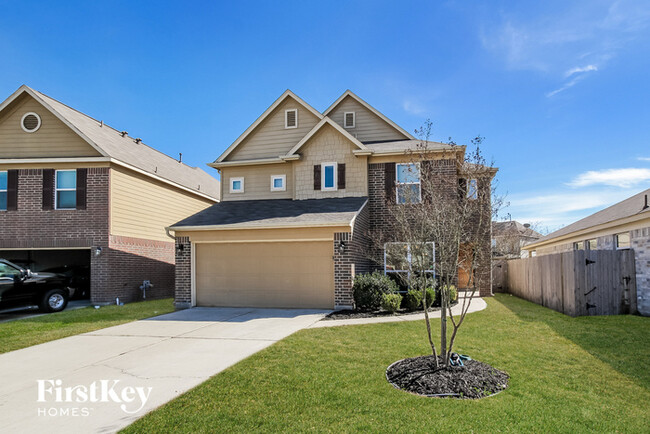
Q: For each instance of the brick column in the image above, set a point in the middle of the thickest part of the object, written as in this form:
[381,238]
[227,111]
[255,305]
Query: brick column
[343,260]
[183,293]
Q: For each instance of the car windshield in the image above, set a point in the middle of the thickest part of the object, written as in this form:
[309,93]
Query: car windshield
[9,271]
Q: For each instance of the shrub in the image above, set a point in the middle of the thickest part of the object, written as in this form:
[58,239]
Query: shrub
[391,302]
[431,297]
[452,293]
[413,299]
[368,290]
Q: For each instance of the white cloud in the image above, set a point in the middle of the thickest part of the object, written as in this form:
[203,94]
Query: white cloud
[580,69]
[413,107]
[565,86]
[643,158]
[624,178]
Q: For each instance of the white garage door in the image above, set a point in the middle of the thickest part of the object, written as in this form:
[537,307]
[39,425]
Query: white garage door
[272,274]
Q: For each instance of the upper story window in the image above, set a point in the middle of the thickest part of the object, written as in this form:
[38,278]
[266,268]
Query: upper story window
[623,240]
[472,189]
[30,122]
[579,245]
[592,244]
[349,119]
[408,187]
[66,189]
[3,191]
[291,118]
[278,182]
[237,185]
[328,176]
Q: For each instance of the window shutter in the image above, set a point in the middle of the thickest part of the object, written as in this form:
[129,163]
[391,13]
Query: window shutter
[389,179]
[48,188]
[462,188]
[341,171]
[82,176]
[12,190]
[317,177]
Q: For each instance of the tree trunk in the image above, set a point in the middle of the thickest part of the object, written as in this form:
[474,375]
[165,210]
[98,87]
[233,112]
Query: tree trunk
[443,323]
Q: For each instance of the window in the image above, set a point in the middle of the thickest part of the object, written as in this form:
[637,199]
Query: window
[3,191]
[278,182]
[237,185]
[405,258]
[579,245]
[533,253]
[472,189]
[408,183]
[66,189]
[8,272]
[291,118]
[623,240]
[494,242]
[349,119]
[592,244]
[328,176]
[30,122]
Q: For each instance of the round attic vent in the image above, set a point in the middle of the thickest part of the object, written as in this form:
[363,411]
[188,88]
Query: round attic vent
[30,122]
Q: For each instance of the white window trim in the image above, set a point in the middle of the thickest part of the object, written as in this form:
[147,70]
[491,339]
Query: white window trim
[284,182]
[322,176]
[23,119]
[616,241]
[397,183]
[469,190]
[232,181]
[286,116]
[408,258]
[57,189]
[5,190]
[354,119]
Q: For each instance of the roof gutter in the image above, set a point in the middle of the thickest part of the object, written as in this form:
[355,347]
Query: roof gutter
[229,228]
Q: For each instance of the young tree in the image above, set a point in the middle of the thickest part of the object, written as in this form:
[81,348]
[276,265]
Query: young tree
[441,216]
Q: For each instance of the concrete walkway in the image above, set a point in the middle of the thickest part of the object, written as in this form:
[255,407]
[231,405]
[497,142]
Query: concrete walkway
[123,372]
[476,305]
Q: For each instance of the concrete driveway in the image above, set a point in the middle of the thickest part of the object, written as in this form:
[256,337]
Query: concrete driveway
[104,380]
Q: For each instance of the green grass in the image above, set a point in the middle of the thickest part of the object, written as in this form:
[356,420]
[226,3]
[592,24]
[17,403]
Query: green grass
[23,333]
[567,375]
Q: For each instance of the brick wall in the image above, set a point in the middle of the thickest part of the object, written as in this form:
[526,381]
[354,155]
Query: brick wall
[183,293]
[640,239]
[343,260]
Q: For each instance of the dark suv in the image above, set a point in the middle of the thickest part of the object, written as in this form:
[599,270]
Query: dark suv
[19,287]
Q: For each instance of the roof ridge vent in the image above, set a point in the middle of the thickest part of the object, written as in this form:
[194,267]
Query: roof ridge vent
[138,140]
[124,133]
[645,205]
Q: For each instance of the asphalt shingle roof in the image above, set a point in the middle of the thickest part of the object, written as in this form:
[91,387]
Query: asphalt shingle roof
[143,157]
[277,212]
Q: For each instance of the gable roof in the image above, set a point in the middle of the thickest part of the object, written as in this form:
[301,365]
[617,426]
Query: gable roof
[275,213]
[628,208]
[287,93]
[110,143]
[337,127]
[514,228]
[349,93]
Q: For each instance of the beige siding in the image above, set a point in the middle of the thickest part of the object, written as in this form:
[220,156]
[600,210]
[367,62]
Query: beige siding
[328,145]
[257,181]
[52,139]
[267,235]
[142,208]
[263,274]
[368,126]
[270,138]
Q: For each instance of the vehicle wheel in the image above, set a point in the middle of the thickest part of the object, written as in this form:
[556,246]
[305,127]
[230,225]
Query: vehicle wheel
[54,300]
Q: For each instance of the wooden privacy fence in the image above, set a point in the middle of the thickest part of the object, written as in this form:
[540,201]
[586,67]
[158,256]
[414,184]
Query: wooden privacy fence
[580,282]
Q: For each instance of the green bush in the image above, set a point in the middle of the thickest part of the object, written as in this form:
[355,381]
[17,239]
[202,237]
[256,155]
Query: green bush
[431,297]
[451,292]
[391,302]
[413,299]
[368,290]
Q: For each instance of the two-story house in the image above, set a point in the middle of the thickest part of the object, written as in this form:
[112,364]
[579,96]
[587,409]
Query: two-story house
[76,194]
[300,191]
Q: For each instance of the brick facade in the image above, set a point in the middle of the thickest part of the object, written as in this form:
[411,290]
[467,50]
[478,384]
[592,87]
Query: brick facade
[122,264]
[183,293]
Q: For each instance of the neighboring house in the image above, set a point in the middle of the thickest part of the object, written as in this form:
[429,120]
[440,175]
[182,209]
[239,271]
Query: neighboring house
[625,225]
[301,189]
[78,194]
[509,237]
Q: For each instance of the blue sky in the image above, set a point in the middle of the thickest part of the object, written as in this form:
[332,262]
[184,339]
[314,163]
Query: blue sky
[560,90]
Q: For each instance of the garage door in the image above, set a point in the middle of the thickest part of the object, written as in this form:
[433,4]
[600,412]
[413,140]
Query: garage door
[276,274]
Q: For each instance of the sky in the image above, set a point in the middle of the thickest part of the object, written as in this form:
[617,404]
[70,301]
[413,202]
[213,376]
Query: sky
[559,90]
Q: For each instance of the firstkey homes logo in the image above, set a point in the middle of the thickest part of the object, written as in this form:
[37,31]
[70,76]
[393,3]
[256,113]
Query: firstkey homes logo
[79,400]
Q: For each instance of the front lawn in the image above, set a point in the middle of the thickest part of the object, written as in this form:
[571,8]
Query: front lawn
[567,375]
[26,332]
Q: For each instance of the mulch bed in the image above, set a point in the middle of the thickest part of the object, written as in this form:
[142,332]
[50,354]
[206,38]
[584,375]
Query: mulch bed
[418,375]
[351,314]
